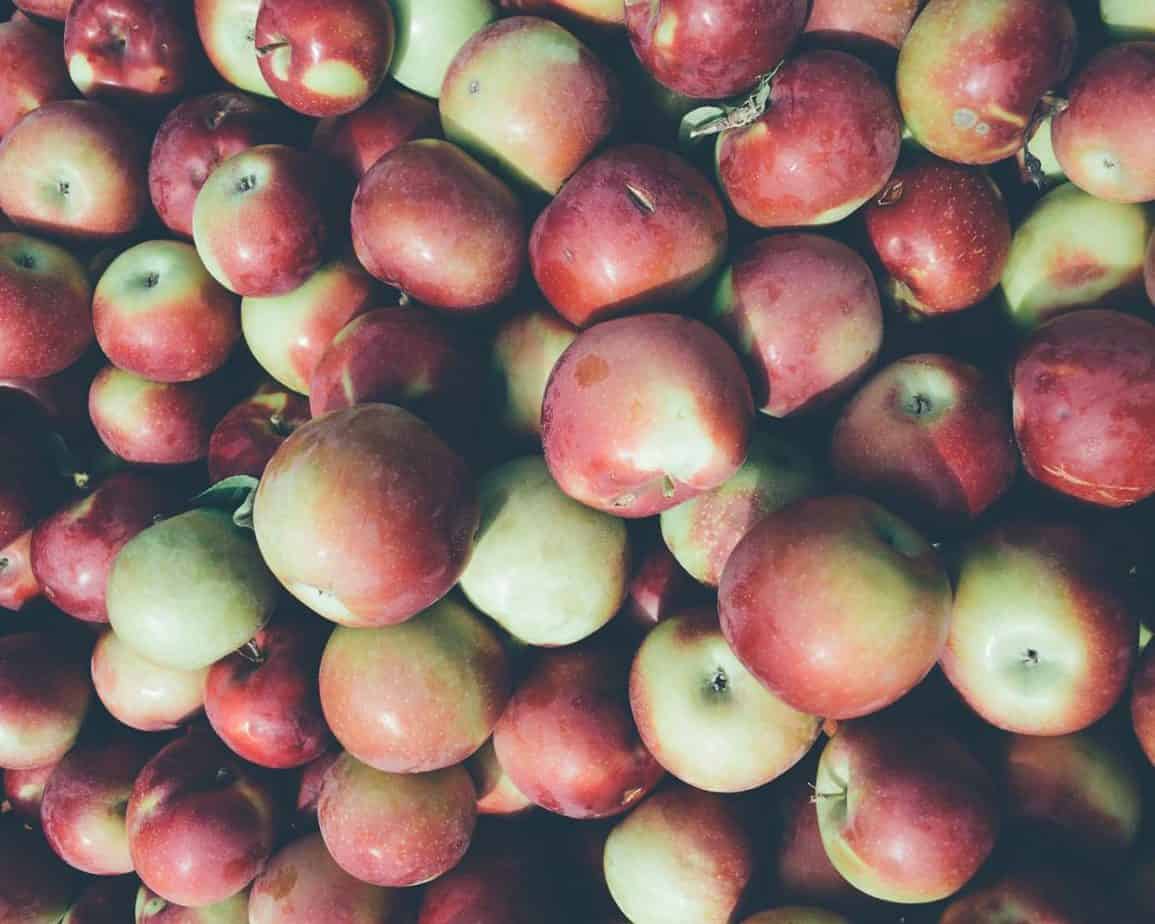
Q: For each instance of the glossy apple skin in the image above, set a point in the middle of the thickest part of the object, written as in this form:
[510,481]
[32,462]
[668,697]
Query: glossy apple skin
[930,436]
[429,35]
[526,347]
[194,137]
[1084,406]
[635,227]
[1041,642]
[31,70]
[658,586]
[45,307]
[433,222]
[707,49]
[1103,138]
[201,823]
[55,10]
[781,171]
[567,739]
[249,435]
[366,516]
[396,829]
[943,234]
[527,95]
[24,789]
[73,169]
[804,312]
[884,21]
[496,794]
[35,885]
[685,430]
[152,909]
[1143,703]
[18,583]
[324,60]
[143,695]
[227,29]
[357,140]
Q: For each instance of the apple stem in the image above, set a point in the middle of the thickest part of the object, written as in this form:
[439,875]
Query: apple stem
[272,46]
[1030,657]
[746,112]
[641,201]
[251,651]
[1049,106]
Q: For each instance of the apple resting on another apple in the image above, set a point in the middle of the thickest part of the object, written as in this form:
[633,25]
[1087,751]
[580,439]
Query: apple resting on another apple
[248,436]
[496,794]
[227,30]
[429,35]
[143,695]
[150,908]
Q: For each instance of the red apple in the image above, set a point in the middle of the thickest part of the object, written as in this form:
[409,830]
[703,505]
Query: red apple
[46,9]
[1149,270]
[971,73]
[18,583]
[1036,892]
[35,886]
[102,900]
[496,794]
[429,35]
[797,914]
[32,71]
[74,169]
[227,30]
[884,21]
[825,144]
[143,695]
[526,347]
[684,430]
[594,12]
[1143,703]
[249,435]
[430,220]
[152,909]
[311,783]
[804,311]
[23,791]
[658,585]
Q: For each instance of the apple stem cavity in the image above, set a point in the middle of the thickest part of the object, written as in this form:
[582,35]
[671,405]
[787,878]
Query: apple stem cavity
[263,50]
[252,652]
[1030,657]
[1049,106]
[745,113]
[891,193]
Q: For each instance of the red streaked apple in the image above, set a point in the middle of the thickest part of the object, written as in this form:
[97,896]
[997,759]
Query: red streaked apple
[227,30]
[883,21]
[36,887]
[526,347]
[46,9]
[496,794]
[23,791]
[150,908]
[143,695]
[18,583]
[249,435]
[31,69]
[1142,705]
[429,35]
[797,914]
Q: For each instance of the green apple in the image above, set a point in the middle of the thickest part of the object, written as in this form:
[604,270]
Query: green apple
[429,35]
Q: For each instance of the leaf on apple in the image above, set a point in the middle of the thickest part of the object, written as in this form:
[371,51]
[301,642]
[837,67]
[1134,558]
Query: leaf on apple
[235,494]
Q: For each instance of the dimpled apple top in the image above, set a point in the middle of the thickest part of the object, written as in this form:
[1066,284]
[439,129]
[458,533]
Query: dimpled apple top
[429,35]
[31,70]
[366,516]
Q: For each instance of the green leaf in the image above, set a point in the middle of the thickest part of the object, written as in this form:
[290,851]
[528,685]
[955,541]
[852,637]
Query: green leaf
[234,494]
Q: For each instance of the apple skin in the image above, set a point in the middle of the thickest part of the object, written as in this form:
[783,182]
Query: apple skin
[971,73]
[55,10]
[707,49]
[102,900]
[227,29]
[635,227]
[704,717]
[658,586]
[201,823]
[688,388]
[152,909]
[1142,704]
[1084,406]
[396,829]
[312,781]
[32,72]
[496,794]
[73,169]
[780,170]
[249,435]
[567,739]
[526,347]
[18,582]
[429,35]
[143,695]
[797,914]
[1035,893]
[1127,19]
[23,791]
[804,312]
[35,885]
[433,222]
[527,95]
[883,21]
[1041,642]
[602,13]
[1098,155]
[836,648]
[45,307]
[1149,270]
[930,436]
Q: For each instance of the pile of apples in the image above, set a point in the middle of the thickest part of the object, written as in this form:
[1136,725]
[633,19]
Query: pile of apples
[577,461]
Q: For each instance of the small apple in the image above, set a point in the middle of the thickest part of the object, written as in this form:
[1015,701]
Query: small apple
[496,794]
[23,791]
[32,71]
[36,887]
[429,35]
[227,30]
[882,21]
[249,435]
[526,347]
[150,908]
[143,695]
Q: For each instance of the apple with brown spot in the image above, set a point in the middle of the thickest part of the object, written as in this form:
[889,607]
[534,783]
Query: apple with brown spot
[496,794]
[141,694]
[31,69]
[526,347]
[23,791]
[227,29]
[249,435]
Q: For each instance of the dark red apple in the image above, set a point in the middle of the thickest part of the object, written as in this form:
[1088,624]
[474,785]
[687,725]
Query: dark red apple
[103,900]
[18,582]
[1143,703]
[143,695]
[249,435]
[32,70]
[1035,892]
[525,349]
[46,9]
[36,887]
[311,783]
[862,21]
[23,791]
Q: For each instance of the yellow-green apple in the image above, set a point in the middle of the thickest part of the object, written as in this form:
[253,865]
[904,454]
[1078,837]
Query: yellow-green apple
[55,10]
[247,436]
[1045,170]
[704,717]
[797,914]
[433,222]
[201,823]
[227,30]
[366,516]
[143,695]
[1142,703]
[322,60]
[23,791]
[73,168]
[1128,19]
[635,227]
[1042,641]
[684,429]
[567,739]
[396,829]
[1104,135]
[188,590]
[837,605]
[526,347]
[258,221]
[18,582]
[496,794]
[193,138]
[418,696]
[429,35]
[681,857]
[710,49]
[36,887]
[971,73]
[45,307]
[930,436]
[1084,404]
[44,695]
[32,71]
[604,13]
[779,171]
[548,570]
[876,21]
[103,899]
[528,96]
[150,908]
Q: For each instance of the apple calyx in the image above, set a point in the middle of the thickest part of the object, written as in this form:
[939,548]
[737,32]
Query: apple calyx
[744,113]
[1049,106]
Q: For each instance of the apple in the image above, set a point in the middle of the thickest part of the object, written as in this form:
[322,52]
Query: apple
[567,739]
[658,585]
[152,909]
[396,829]
[496,794]
[366,516]
[704,717]
[526,347]
[1142,705]
[780,169]
[324,60]
[201,823]
[140,694]
[1045,171]
[431,221]
[528,96]
[45,307]
[1042,641]
[73,169]
[35,885]
[797,914]
[1149,270]
[249,435]
[55,10]
[18,583]
[312,780]
[635,227]
[193,138]
[258,221]
[32,72]
[930,436]
[23,791]
[1103,135]
[684,431]
[837,605]
[105,899]
[886,22]
[227,30]
[1034,892]
[709,49]
[1127,19]
[429,35]
[1084,404]
[601,13]
[971,73]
